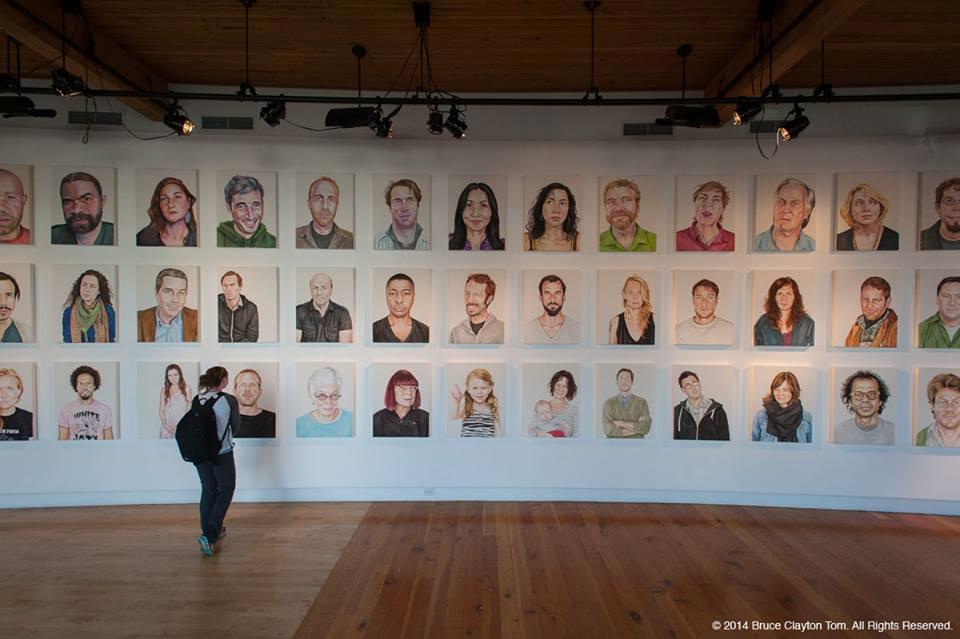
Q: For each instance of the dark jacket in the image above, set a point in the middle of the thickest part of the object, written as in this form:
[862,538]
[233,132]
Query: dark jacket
[713,425]
[889,240]
[241,324]
[766,334]
[149,236]
[931,240]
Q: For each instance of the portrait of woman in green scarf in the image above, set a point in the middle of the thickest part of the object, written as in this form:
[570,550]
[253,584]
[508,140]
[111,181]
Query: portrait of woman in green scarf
[88,313]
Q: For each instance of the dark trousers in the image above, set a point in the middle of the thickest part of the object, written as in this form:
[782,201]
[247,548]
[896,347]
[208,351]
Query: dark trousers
[218,480]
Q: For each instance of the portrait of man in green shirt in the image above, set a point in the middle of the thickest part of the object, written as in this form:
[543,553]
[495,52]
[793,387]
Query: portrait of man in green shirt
[942,329]
[243,196]
[621,205]
[626,415]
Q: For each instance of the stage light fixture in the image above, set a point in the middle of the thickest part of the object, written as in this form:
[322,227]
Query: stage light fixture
[383,127]
[795,123]
[177,120]
[455,123]
[435,122]
[746,111]
[66,84]
[274,112]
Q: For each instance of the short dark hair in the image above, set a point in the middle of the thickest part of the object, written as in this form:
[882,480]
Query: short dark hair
[10,278]
[847,387]
[686,374]
[235,274]
[85,370]
[950,183]
[546,279]
[401,276]
[169,272]
[953,279]
[571,385]
[625,370]
[410,184]
[705,283]
[81,176]
[241,185]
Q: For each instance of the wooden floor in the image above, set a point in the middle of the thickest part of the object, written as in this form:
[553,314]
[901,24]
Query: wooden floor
[556,570]
[458,569]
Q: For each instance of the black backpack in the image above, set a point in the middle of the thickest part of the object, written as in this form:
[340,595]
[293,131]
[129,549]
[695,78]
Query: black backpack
[197,432]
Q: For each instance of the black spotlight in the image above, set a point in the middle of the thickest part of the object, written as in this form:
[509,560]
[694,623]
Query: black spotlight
[795,123]
[274,112]
[746,111]
[455,123]
[178,121]
[435,122]
[66,84]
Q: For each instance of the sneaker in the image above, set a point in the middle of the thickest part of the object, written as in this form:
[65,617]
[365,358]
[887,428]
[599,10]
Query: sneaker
[205,547]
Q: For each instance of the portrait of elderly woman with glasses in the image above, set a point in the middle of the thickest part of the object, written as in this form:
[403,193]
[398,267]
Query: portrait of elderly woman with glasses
[327,419]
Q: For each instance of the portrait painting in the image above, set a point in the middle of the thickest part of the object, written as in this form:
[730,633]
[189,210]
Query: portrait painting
[552,304]
[705,213]
[784,308]
[626,394]
[937,308]
[84,206]
[783,402]
[255,385]
[705,304]
[628,213]
[401,212]
[86,304]
[865,402]
[551,398]
[936,408]
[18,401]
[168,211]
[939,219]
[165,391]
[627,307]
[703,402]
[86,400]
[16,205]
[326,305]
[476,306]
[786,213]
[247,304]
[325,211]
[400,397]
[476,399]
[326,399]
[867,212]
[247,209]
[865,304]
[553,213]
[17,304]
[478,212]
[401,304]
[168,303]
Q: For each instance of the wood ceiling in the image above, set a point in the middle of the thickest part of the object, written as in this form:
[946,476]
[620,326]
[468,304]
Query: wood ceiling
[492,46]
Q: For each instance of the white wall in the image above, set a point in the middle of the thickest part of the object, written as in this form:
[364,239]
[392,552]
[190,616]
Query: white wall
[48,472]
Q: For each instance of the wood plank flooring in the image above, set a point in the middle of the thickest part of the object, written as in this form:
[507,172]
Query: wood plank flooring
[136,571]
[558,570]
[473,569]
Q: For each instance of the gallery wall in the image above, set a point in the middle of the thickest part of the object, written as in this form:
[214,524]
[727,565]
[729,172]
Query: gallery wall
[136,468]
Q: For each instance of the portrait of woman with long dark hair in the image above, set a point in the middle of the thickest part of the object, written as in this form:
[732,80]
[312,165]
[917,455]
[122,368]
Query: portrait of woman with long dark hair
[552,220]
[476,222]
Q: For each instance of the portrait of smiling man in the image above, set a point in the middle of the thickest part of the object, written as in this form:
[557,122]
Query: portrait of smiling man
[621,205]
[170,320]
[244,198]
[793,204]
[82,201]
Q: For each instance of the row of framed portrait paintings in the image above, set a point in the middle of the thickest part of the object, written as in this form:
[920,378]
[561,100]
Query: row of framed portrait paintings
[401,400]
[84,210]
[551,306]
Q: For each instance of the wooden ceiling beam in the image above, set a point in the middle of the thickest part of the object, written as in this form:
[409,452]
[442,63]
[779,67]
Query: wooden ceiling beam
[741,76]
[36,25]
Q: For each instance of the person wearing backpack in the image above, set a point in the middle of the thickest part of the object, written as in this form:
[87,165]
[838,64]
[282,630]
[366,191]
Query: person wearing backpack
[218,476]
